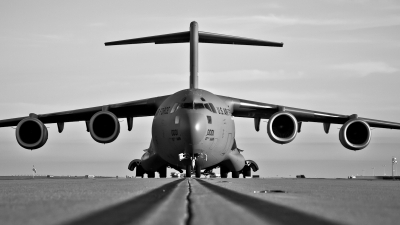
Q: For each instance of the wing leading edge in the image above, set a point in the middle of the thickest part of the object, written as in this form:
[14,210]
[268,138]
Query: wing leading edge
[252,109]
[139,108]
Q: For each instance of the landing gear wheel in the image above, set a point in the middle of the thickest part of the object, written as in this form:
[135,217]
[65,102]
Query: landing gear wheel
[246,171]
[162,172]
[235,174]
[224,172]
[198,171]
[139,171]
[188,170]
[151,174]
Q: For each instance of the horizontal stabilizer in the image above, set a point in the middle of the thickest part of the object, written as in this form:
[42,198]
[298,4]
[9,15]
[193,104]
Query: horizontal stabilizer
[204,37]
[158,39]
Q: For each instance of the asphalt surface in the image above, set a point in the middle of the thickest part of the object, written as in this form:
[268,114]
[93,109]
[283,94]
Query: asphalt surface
[199,201]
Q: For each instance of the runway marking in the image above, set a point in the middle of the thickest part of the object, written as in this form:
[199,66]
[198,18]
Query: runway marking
[134,211]
[189,210]
[264,210]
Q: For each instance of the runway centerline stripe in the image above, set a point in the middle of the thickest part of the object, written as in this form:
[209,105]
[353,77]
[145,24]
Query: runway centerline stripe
[130,211]
[266,210]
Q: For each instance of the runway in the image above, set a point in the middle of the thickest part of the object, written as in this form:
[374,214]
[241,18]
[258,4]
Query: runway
[199,201]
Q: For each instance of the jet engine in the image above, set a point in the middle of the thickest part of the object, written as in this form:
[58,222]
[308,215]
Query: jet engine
[104,127]
[282,127]
[355,134]
[31,133]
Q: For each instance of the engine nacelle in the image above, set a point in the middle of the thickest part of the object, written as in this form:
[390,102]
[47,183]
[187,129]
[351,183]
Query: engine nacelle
[31,133]
[282,127]
[355,134]
[104,127]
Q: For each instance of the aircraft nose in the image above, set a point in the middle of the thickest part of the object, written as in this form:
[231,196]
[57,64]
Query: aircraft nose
[194,127]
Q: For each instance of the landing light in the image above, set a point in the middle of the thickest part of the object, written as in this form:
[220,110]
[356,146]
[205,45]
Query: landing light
[197,127]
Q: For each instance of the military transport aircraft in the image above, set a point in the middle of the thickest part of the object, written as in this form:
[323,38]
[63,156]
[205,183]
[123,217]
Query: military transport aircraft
[194,129]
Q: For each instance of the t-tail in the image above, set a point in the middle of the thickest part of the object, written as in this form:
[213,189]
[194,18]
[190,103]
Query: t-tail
[194,36]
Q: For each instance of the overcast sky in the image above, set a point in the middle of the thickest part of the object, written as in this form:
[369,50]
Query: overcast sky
[339,56]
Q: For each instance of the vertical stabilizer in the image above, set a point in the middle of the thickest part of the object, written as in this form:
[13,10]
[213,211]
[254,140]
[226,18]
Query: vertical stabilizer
[194,54]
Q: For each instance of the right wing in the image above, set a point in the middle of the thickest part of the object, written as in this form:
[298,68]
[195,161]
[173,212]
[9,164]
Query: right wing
[285,122]
[252,109]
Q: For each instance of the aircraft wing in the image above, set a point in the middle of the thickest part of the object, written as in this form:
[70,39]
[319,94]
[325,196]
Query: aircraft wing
[252,109]
[139,108]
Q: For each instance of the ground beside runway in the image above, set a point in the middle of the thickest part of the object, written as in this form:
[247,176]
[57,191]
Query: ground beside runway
[199,201]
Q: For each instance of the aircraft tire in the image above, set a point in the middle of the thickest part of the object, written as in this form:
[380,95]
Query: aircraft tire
[224,172]
[235,174]
[198,172]
[151,174]
[139,171]
[188,170]
[162,172]
[246,171]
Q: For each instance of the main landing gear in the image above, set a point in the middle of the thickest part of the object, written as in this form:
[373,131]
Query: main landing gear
[225,171]
[162,171]
[246,171]
[250,165]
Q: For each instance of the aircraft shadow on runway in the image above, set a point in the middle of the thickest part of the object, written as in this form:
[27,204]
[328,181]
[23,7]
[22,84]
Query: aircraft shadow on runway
[136,209]
[130,211]
[267,210]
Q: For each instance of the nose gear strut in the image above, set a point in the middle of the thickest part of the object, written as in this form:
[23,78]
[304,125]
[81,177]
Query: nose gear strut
[194,165]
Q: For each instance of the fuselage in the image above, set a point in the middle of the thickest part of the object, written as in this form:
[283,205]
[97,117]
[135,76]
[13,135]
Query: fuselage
[193,122]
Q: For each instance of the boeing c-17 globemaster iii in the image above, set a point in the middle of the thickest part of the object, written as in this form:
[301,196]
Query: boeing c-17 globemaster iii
[193,129]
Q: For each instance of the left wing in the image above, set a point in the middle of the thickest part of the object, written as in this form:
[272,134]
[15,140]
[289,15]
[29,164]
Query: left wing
[285,122]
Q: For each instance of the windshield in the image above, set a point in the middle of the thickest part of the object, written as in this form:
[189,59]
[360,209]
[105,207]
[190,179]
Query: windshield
[187,105]
[198,106]
[192,105]
[207,106]
[175,107]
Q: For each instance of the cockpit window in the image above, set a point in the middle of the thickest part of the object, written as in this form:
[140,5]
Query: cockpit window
[191,105]
[208,106]
[212,107]
[186,105]
[198,106]
[174,107]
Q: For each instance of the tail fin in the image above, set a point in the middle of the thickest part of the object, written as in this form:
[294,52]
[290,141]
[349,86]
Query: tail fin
[194,37]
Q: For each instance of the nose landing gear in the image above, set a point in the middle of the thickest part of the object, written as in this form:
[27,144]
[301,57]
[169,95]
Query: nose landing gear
[193,163]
